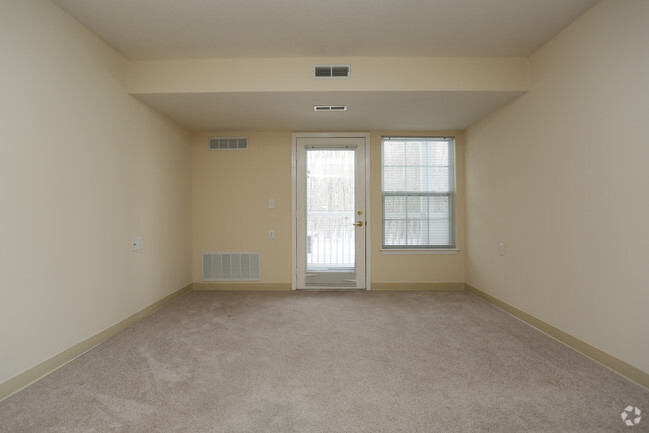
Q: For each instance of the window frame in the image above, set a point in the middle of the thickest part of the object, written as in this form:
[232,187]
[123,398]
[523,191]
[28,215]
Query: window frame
[449,248]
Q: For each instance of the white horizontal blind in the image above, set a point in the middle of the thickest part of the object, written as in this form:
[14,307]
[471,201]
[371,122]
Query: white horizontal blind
[418,192]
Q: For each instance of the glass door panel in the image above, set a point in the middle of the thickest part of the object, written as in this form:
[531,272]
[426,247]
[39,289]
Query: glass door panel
[330,211]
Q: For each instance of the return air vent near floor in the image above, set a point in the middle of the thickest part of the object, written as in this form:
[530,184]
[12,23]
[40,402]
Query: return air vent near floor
[331,71]
[231,266]
[229,143]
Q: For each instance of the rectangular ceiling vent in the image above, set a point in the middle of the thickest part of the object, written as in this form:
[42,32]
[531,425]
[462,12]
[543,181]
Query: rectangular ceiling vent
[331,71]
[228,143]
[329,108]
[231,267]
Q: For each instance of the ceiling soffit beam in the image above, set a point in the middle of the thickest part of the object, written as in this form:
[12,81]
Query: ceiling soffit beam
[444,74]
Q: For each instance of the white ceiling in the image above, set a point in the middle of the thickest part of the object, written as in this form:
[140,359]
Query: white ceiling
[413,111]
[193,29]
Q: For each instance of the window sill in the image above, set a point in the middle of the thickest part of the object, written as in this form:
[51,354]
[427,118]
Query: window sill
[421,251]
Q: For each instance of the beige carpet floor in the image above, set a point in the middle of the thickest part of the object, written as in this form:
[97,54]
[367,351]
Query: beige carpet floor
[328,362]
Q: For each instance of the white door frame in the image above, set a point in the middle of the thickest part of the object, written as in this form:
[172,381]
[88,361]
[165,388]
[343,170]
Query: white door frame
[368,237]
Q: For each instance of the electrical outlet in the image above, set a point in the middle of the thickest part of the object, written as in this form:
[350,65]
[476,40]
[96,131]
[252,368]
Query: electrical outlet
[271,235]
[501,249]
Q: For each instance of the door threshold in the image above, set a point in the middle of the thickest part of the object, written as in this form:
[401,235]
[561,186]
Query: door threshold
[332,289]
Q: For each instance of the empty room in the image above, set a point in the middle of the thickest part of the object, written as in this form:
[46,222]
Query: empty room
[341,216]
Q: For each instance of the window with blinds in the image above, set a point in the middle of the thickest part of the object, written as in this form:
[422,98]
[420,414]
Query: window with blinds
[418,192]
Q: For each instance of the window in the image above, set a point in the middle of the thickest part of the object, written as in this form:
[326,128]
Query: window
[418,192]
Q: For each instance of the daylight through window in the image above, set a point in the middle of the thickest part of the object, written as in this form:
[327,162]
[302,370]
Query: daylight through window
[418,192]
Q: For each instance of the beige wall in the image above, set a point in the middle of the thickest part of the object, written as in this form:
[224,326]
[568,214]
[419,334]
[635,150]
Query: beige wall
[231,190]
[295,74]
[560,176]
[83,168]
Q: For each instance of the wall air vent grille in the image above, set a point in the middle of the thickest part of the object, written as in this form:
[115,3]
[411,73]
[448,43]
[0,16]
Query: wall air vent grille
[231,266]
[331,71]
[228,143]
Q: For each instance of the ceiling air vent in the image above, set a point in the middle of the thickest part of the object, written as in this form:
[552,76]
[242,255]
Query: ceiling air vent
[228,143]
[331,71]
[329,108]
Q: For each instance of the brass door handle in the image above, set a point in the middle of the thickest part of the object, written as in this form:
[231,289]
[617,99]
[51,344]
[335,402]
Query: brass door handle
[358,224]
